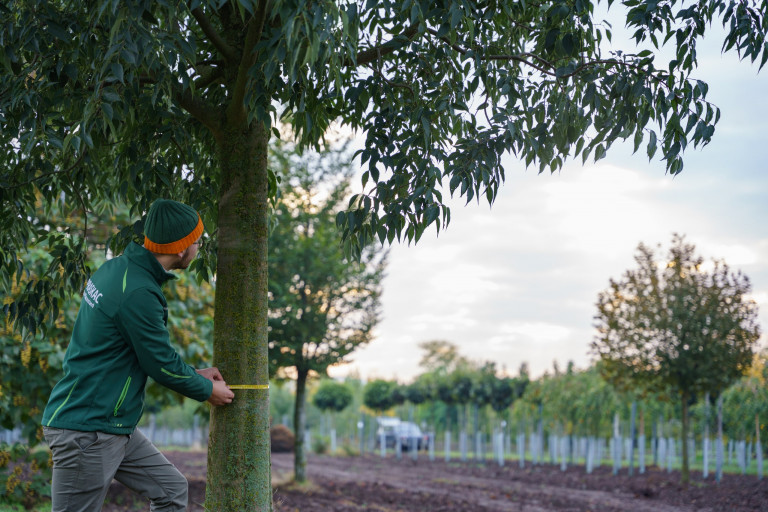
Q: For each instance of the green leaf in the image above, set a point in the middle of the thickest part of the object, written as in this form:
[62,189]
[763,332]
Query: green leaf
[427,129]
[651,144]
[58,31]
[638,139]
[117,71]
[433,212]
[764,59]
[599,152]
[106,108]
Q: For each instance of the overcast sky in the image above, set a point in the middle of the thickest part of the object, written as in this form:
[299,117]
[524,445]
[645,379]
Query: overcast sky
[519,281]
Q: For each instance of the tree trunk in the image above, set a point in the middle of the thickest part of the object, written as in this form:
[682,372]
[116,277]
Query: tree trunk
[705,463]
[300,424]
[719,445]
[239,444]
[632,438]
[685,476]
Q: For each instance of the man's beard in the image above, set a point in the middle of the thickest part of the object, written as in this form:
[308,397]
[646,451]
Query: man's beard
[183,262]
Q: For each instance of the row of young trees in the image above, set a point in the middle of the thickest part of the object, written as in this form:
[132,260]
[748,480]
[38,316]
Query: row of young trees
[459,388]
[572,402]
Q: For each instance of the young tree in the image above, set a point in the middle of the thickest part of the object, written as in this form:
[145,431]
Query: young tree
[418,391]
[440,356]
[332,396]
[135,100]
[322,307]
[677,327]
[745,403]
[503,394]
[379,395]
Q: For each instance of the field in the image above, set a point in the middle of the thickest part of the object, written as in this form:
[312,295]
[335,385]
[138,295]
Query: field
[351,484]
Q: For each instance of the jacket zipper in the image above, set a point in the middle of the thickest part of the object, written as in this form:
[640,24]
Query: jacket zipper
[122,395]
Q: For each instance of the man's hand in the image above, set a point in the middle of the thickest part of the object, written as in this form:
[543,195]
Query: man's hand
[213,374]
[221,394]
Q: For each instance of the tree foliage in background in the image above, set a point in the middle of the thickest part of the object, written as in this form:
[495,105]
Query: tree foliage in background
[504,392]
[578,402]
[745,403]
[673,326]
[332,396]
[418,391]
[322,307]
[440,356]
[128,101]
[378,395]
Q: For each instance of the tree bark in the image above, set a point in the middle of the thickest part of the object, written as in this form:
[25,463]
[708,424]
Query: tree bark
[719,445]
[300,425]
[632,438]
[685,476]
[239,445]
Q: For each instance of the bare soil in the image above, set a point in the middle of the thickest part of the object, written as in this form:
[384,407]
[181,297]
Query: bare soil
[351,484]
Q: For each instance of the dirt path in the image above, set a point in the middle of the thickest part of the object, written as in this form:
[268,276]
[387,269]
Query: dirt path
[352,484]
[398,485]
[472,487]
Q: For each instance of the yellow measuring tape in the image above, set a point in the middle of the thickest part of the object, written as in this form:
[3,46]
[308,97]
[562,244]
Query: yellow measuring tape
[249,386]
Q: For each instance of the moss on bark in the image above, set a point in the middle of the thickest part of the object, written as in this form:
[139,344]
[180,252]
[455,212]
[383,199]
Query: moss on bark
[238,451]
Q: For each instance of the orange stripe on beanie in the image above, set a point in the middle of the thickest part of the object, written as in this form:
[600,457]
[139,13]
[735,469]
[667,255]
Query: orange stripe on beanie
[171,227]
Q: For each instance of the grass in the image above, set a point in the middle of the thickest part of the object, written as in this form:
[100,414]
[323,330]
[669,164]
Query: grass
[696,464]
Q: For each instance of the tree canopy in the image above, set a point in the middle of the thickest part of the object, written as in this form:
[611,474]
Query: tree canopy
[332,396]
[378,395]
[673,326]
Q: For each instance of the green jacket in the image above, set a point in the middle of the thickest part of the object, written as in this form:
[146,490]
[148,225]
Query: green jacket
[120,338]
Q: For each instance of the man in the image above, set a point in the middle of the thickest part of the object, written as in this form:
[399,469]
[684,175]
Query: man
[119,339]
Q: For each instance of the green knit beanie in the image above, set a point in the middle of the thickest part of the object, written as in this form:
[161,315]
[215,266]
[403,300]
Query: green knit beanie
[171,227]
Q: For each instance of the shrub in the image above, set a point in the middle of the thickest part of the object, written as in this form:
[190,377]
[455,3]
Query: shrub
[282,439]
[24,475]
[320,444]
[349,450]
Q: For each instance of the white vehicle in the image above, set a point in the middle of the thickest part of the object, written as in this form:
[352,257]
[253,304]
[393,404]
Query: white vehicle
[406,433]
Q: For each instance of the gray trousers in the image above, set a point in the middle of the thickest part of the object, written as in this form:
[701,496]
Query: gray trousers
[84,464]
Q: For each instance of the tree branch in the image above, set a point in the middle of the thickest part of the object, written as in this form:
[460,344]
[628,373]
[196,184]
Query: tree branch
[371,54]
[211,76]
[181,151]
[209,116]
[45,175]
[236,109]
[205,24]
[547,67]
[512,57]
[390,82]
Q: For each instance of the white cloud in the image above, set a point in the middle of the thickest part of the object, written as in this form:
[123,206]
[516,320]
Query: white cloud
[735,255]
[538,332]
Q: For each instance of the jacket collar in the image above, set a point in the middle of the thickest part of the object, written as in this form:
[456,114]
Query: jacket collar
[146,260]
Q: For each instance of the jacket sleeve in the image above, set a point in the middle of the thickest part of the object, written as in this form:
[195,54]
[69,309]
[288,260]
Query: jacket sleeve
[141,318]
